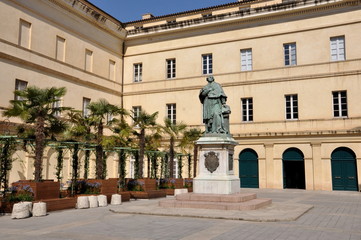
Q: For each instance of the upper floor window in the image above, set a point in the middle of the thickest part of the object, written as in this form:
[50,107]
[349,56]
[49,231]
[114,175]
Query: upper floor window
[57,104]
[171,71]
[25,34]
[291,107]
[86,111]
[112,70]
[246,59]
[88,60]
[339,104]
[172,112]
[247,109]
[19,86]
[137,72]
[290,54]
[337,45]
[136,112]
[207,63]
[60,49]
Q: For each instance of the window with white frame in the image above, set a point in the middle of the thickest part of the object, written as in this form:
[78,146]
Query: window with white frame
[137,72]
[86,111]
[247,109]
[291,107]
[172,112]
[19,86]
[136,112]
[290,54]
[57,104]
[60,49]
[25,34]
[171,71]
[132,167]
[207,64]
[175,168]
[246,59]
[339,104]
[337,45]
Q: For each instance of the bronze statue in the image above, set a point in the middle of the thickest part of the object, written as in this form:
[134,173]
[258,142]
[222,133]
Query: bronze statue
[215,111]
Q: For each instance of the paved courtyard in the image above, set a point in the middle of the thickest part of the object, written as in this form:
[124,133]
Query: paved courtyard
[335,215]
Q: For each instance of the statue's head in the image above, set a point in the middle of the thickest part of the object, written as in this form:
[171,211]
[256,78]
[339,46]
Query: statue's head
[210,79]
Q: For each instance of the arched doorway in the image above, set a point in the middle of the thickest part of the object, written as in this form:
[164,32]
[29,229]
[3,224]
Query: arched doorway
[293,169]
[344,171]
[248,169]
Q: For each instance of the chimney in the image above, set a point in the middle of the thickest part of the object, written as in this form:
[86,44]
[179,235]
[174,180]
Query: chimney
[147,16]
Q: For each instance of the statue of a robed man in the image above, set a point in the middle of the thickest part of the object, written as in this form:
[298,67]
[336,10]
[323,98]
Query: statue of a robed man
[215,111]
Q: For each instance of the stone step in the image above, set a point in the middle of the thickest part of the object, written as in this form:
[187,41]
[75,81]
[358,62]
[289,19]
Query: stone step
[231,198]
[247,205]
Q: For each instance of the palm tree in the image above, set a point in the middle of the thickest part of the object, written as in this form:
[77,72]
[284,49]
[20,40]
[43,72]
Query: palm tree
[142,122]
[188,142]
[80,130]
[173,130]
[100,117]
[36,107]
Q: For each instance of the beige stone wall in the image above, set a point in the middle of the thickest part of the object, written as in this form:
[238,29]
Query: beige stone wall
[313,79]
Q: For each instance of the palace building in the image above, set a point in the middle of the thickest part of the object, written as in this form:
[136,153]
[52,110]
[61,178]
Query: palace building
[291,70]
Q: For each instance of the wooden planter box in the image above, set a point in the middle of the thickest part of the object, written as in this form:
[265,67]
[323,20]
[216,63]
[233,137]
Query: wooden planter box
[149,184]
[57,204]
[6,207]
[46,189]
[178,183]
[168,191]
[147,194]
[108,186]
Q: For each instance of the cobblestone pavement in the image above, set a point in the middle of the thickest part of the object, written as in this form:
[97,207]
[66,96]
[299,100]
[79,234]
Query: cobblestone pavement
[335,215]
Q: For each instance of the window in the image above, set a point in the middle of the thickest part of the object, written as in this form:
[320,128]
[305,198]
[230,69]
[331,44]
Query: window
[171,68]
[339,104]
[88,60]
[290,54]
[246,59]
[291,107]
[60,49]
[247,109]
[111,70]
[132,167]
[57,104]
[337,48]
[175,168]
[171,112]
[86,102]
[136,112]
[207,64]
[19,86]
[138,72]
[25,34]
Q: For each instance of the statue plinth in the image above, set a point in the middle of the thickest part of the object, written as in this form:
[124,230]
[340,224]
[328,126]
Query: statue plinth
[215,165]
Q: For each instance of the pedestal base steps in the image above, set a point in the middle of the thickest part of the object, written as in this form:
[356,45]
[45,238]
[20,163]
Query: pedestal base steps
[238,201]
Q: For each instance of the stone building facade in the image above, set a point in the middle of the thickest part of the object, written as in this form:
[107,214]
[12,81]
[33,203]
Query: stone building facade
[290,69]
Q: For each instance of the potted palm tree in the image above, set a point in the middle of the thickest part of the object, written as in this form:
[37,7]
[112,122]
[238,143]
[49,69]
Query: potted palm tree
[38,109]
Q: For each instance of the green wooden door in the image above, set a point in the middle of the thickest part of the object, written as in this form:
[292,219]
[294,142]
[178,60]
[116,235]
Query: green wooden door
[248,169]
[344,172]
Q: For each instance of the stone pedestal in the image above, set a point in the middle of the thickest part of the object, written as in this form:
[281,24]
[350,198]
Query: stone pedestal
[39,209]
[216,173]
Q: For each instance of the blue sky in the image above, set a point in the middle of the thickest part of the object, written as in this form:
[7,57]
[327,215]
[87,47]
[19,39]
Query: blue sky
[131,10]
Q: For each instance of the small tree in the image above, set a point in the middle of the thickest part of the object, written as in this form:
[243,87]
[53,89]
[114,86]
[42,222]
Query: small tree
[8,148]
[101,115]
[173,130]
[81,130]
[37,108]
[188,142]
[142,122]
